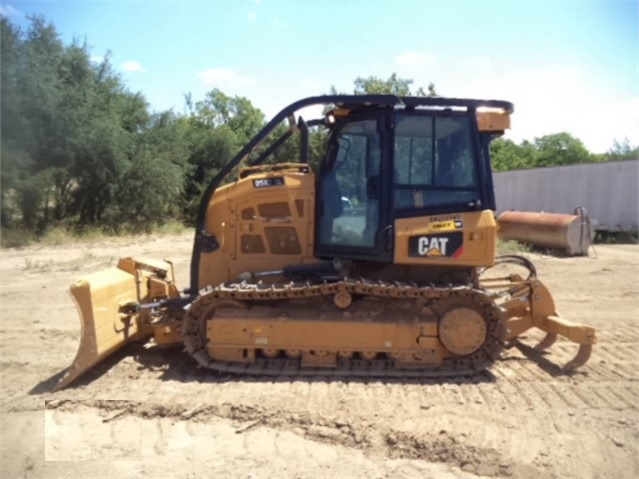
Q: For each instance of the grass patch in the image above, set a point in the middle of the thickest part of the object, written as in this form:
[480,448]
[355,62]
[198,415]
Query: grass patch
[38,266]
[616,237]
[61,235]
[16,238]
[75,264]
[173,227]
[512,246]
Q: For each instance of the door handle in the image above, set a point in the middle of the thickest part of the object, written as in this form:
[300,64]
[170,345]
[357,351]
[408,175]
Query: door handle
[387,236]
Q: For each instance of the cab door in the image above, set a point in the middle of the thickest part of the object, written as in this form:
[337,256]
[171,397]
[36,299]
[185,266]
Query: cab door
[352,207]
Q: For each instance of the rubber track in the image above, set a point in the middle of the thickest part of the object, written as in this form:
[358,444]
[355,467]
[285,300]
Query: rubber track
[195,341]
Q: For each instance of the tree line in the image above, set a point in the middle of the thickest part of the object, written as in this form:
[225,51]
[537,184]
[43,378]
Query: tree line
[553,150]
[79,148]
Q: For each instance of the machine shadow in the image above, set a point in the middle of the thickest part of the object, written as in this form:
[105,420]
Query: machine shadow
[176,365]
[47,386]
[173,364]
[540,360]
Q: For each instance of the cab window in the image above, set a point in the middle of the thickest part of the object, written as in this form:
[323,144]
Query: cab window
[433,162]
[349,187]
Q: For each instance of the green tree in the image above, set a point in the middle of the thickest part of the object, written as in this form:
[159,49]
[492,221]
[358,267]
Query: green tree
[394,85]
[218,127]
[14,126]
[238,113]
[507,155]
[549,150]
[77,145]
[31,135]
[560,149]
[622,150]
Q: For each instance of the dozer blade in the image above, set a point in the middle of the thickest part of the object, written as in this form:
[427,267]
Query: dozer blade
[107,324]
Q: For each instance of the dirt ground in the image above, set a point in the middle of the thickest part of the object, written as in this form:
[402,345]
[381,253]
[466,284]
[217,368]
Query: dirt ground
[149,412]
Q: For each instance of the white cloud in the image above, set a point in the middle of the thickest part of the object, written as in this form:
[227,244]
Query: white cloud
[9,10]
[414,61]
[548,98]
[551,99]
[477,61]
[608,121]
[224,78]
[97,58]
[557,98]
[132,66]
[252,16]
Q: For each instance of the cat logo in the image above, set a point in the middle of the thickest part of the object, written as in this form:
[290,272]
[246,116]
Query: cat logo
[440,245]
[433,246]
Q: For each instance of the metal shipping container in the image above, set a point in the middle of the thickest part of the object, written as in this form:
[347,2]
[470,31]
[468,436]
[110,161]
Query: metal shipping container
[608,191]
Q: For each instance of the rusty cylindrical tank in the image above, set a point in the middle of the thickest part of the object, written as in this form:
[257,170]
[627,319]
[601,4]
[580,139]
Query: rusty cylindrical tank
[568,232]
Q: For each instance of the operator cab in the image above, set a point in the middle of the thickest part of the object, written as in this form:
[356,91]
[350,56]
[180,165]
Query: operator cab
[397,163]
[405,185]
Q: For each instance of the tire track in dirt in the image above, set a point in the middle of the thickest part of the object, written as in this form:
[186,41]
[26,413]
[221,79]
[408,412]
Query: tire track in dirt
[110,418]
[523,416]
[513,382]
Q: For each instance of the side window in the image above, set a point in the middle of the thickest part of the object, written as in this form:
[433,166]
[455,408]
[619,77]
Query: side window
[454,154]
[349,189]
[414,148]
[433,162]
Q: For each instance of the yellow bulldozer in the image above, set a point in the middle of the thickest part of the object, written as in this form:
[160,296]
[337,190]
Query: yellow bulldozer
[374,265]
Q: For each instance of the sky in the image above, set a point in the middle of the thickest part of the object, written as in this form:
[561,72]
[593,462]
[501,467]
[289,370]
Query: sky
[566,65]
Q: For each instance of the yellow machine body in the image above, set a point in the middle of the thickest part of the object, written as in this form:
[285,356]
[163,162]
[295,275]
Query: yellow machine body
[271,228]
[260,229]
[265,298]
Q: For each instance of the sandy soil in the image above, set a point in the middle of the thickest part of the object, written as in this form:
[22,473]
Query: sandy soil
[150,412]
